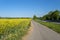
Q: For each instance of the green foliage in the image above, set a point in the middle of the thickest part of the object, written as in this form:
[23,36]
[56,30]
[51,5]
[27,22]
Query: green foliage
[34,17]
[52,15]
[15,18]
[55,15]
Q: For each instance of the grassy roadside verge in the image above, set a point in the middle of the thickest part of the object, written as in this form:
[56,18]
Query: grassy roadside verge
[53,26]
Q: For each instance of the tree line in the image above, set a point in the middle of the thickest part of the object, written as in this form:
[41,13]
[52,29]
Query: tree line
[15,17]
[52,15]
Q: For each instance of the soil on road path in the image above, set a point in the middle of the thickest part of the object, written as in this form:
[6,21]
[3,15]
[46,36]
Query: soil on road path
[40,32]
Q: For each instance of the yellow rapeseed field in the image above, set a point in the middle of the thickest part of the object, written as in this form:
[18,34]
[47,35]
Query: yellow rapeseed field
[13,29]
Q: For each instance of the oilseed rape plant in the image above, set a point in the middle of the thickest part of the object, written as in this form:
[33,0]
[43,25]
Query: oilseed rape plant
[13,29]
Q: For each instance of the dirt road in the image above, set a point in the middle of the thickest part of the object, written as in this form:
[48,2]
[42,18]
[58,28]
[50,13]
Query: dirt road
[40,32]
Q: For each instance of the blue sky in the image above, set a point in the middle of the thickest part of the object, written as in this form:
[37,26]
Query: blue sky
[27,8]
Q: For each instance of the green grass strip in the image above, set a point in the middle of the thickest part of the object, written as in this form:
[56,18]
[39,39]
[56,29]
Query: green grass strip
[53,26]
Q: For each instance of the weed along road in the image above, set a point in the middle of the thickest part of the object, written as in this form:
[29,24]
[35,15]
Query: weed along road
[40,32]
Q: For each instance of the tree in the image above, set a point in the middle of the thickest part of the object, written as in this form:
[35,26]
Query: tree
[34,17]
[55,15]
[52,15]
